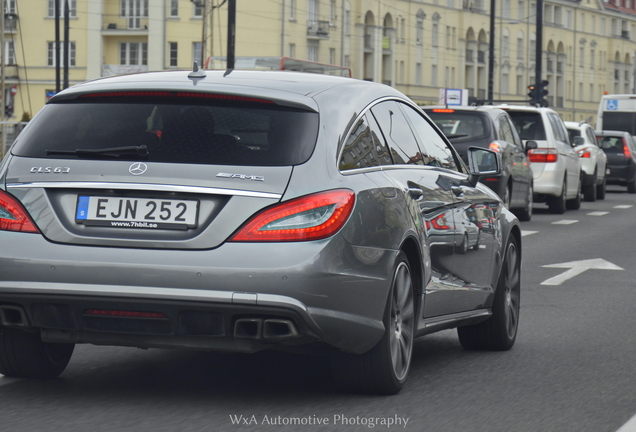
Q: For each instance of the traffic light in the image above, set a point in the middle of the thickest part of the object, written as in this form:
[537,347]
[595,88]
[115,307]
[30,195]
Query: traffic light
[532,93]
[542,93]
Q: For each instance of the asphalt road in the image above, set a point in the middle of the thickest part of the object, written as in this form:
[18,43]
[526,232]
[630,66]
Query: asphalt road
[572,368]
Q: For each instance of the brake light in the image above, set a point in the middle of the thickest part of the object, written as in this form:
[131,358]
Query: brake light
[543,155]
[584,153]
[312,217]
[125,314]
[13,216]
[443,110]
[626,151]
[439,223]
[494,147]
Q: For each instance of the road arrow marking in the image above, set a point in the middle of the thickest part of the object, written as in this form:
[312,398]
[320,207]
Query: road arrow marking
[578,267]
[565,222]
[598,213]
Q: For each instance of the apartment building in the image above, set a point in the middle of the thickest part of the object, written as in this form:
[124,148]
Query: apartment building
[588,48]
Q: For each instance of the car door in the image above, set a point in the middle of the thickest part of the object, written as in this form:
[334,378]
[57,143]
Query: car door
[519,167]
[601,159]
[475,212]
[430,193]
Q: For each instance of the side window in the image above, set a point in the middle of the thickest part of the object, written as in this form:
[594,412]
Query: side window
[365,147]
[557,126]
[506,131]
[397,132]
[590,136]
[515,135]
[435,151]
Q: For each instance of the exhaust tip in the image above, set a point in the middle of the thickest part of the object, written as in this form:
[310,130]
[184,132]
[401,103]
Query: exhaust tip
[248,328]
[279,329]
[13,316]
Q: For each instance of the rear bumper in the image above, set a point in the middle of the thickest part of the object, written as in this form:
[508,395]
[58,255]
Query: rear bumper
[620,174]
[549,181]
[202,294]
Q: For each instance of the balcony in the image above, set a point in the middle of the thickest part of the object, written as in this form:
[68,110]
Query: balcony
[560,67]
[125,26]
[111,69]
[318,29]
[481,56]
[625,34]
[11,71]
[470,56]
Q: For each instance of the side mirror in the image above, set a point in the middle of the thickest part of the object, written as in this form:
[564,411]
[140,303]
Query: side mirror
[531,145]
[579,140]
[482,161]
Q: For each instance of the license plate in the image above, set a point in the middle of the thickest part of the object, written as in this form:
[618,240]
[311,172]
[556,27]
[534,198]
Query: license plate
[141,213]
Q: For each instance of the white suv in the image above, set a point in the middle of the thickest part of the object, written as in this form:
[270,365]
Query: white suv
[592,159]
[555,163]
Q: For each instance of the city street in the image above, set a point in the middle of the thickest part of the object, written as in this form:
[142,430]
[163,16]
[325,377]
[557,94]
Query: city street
[572,368]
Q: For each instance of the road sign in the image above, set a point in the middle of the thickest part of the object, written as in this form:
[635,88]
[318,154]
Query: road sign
[612,105]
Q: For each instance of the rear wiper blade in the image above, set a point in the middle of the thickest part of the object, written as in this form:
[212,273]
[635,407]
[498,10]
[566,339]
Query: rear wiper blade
[115,152]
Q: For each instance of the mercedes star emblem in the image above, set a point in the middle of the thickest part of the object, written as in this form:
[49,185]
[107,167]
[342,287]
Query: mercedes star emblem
[138,168]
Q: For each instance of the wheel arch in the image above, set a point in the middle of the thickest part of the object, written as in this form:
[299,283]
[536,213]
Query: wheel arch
[411,249]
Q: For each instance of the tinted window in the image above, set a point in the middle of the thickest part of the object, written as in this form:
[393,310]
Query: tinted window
[365,147]
[558,128]
[528,124]
[620,121]
[228,134]
[435,151]
[506,130]
[612,144]
[398,134]
[590,135]
[461,126]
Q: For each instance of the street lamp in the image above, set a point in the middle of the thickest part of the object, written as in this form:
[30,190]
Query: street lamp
[491,53]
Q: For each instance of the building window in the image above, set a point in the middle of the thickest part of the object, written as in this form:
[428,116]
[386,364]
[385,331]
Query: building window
[521,12]
[558,16]
[505,46]
[198,10]
[312,11]
[173,53]
[51,53]
[10,6]
[312,53]
[174,8]
[419,31]
[133,53]
[435,41]
[134,10]
[332,56]
[292,50]
[196,54]
[505,9]
[602,26]
[520,50]
[72,6]
[292,10]
[9,53]
[332,13]
[582,22]
[434,75]
[533,16]
[418,74]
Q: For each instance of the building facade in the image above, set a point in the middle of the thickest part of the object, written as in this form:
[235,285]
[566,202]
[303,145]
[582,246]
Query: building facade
[417,46]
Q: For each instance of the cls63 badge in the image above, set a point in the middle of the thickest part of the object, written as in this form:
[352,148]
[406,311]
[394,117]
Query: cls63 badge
[54,170]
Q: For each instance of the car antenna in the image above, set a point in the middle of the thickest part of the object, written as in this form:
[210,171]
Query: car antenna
[196,72]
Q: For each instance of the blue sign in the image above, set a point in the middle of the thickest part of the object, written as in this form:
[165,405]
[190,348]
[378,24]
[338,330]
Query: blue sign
[612,105]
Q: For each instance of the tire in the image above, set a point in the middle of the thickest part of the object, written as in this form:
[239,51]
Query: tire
[575,204]
[476,245]
[24,355]
[499,332]
[557,204]
[384,369]
[590,191]
[525,214]
[600,190]
[463,247]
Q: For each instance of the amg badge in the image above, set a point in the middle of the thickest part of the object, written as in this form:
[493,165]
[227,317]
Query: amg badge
[241,176]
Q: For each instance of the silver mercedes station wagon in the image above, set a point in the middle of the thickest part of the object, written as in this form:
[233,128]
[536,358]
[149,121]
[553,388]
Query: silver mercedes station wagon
[241,211]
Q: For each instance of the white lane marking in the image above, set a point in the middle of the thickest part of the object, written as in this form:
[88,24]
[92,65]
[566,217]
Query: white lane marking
[565,222]
[623,206]
[598,213]
[630,426]
[5,380]
[578,267]
[527,233]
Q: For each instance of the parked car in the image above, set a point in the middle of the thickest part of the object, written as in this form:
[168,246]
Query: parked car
[555,163]
[246,211]
[491,128]
[593,160]
[620,148]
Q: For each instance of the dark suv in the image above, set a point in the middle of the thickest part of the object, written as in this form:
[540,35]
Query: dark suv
[620,148]
[491,128]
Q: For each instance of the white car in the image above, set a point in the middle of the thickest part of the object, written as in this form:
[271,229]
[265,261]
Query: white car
[555,163]
[593,160]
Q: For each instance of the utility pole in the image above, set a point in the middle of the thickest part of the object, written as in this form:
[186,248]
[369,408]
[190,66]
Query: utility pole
[231,33]
[539,48]
[491,54]
[2,80]
[57,46]
[66,43]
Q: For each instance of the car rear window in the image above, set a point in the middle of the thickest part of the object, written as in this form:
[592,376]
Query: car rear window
[612,144]
[461,126]
[528,124]
[221,133]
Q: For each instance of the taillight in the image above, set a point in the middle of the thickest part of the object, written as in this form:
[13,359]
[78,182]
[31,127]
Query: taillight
[544,155]
[494,147]
[13,217]
[312,217]
[626,151]
[584,153]
[439,223]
